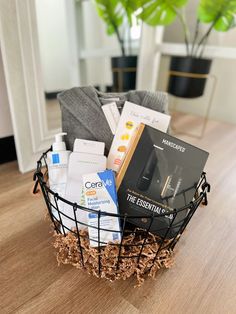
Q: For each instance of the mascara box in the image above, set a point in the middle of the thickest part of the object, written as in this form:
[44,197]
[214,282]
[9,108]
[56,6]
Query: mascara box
[160,173]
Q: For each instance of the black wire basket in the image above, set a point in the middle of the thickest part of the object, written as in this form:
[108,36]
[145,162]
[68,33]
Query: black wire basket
[138,251]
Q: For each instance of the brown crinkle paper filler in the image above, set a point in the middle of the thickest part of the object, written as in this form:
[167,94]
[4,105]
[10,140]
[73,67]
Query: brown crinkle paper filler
[68,252]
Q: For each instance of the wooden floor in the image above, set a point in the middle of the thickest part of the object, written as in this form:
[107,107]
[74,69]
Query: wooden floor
[203,279]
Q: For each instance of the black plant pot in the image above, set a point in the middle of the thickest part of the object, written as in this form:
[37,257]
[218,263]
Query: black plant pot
[188,87]
[124,73]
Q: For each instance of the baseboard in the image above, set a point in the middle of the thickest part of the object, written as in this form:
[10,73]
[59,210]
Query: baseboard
[51,95]
[8,149]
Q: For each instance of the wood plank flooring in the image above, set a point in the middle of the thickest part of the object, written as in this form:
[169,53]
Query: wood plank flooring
[203,279]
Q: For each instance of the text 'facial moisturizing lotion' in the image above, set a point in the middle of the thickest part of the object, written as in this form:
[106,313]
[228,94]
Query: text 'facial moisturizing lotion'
[58,160]
[100,195]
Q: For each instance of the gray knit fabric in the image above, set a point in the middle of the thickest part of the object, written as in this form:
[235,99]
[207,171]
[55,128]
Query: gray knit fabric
[82,116]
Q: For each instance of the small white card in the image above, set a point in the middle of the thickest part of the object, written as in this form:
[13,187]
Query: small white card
[131,117]
[112,115]
[89,147]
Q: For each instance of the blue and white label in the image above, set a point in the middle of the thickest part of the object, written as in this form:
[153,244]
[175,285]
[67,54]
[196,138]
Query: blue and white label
[108,180]
[55,158]
[100,195]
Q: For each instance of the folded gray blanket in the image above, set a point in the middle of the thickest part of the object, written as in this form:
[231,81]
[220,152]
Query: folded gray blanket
[82,116]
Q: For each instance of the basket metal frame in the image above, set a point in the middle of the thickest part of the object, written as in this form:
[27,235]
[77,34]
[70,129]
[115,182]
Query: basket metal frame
[40,177]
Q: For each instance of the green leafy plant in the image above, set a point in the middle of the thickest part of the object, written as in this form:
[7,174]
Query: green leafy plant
[220,14]
[114,13]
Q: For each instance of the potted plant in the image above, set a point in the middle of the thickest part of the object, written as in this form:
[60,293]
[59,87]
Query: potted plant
[117,13]
[219,14]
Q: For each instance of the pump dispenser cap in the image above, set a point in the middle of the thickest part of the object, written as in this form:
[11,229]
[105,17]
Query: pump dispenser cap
[59,144]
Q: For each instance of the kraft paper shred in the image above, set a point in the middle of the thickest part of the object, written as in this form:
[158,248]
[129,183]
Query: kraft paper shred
[69,252]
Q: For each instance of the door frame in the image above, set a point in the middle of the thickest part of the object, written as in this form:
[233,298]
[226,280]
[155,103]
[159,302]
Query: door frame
[21,61]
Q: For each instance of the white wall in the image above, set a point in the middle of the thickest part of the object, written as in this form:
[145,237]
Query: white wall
[61,42]
[98,70]
[224,100]
[57,42]
[5,118]
[58,47]
[93,39]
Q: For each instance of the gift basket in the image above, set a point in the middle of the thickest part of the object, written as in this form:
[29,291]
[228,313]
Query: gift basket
[116,227]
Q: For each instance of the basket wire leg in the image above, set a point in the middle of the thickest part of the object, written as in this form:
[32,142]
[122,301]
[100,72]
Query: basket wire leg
[182,228]
[99,245]
[78,234]
[188,217]
[203,178]
[59,213]
[47,200]
[35,189]
[164,238]
[36,176]
[145,239]
[193,207]
[121,242]
[45,162]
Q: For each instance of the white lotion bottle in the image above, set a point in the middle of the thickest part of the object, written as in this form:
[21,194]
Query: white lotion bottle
[58,160]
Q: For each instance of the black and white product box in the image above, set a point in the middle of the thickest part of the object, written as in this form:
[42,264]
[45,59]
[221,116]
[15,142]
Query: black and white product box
[160,174]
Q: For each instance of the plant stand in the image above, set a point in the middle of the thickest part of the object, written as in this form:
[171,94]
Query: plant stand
[120,73]
[209,103]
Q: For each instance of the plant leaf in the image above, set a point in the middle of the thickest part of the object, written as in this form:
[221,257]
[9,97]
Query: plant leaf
[130,6]
[220,12]
[111,12]
[160,12]
[128,10]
